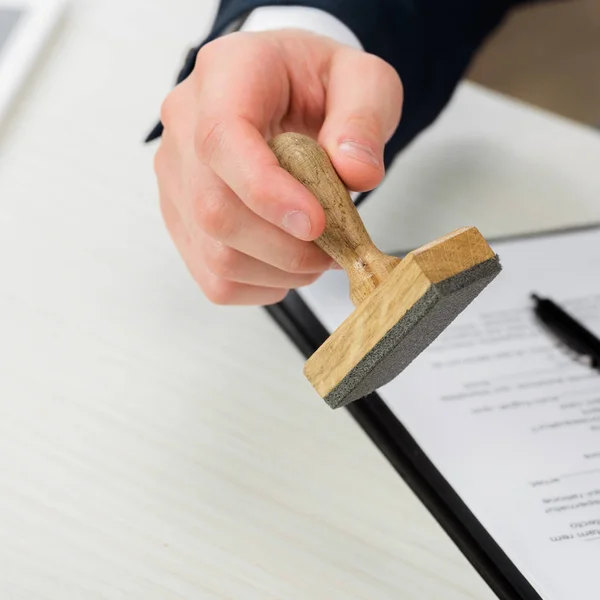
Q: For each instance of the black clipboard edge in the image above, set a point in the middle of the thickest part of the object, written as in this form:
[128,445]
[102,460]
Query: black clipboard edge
[404,454]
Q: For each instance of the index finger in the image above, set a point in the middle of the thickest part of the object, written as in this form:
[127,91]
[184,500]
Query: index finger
[239,155]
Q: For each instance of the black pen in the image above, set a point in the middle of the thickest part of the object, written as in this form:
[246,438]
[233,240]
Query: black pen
[569,331]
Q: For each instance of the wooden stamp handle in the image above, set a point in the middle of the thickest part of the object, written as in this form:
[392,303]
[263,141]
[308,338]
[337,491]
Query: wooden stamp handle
[345,238]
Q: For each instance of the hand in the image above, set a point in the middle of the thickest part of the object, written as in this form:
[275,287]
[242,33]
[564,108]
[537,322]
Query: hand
[243,225]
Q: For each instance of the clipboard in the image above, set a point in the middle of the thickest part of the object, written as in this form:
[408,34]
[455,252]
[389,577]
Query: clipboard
[393,440]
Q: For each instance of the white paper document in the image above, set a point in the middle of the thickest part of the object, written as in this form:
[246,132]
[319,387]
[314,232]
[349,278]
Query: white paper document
[509,418]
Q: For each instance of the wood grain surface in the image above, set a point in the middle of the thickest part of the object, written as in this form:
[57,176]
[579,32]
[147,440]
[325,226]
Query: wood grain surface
[345,238]
[387,305]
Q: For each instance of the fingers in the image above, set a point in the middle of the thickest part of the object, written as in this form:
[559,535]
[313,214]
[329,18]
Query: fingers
[245,91]
[237,152]
[224,292]
[243,225]
[226,263]
[364,104]
[211,209]
[235,256]
[218,289]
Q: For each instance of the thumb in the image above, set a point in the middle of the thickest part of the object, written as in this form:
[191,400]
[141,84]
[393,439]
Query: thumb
[364,104]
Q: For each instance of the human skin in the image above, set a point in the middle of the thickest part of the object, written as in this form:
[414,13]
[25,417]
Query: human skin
[243,226]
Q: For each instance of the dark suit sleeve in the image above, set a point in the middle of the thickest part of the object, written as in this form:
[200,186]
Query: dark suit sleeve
[429,42]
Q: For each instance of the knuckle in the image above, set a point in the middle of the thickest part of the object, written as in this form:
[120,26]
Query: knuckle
[161,164]
[236,44]
[207,50]
[220,291]
[377,63]
[221,260]
[298,261]
[158,161]
[388,73]
[170,108]
[396,83]
[395,76]
[257,194]
[201,61]
[210,137]
[367,122]
[214,218]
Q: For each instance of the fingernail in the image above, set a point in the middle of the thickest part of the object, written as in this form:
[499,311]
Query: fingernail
[334,266]
[359,152]
[297,223]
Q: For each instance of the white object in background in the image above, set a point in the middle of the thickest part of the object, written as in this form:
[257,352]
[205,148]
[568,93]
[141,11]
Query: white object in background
[267,18]
[24,28]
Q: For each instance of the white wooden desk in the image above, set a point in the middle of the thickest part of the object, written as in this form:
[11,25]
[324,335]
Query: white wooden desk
[155,447]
